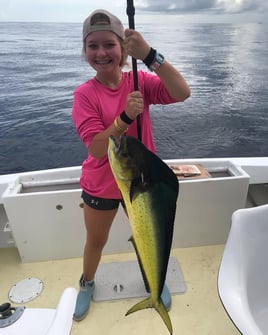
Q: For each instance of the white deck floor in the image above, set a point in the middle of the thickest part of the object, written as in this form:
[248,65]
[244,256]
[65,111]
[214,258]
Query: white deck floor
[197,312]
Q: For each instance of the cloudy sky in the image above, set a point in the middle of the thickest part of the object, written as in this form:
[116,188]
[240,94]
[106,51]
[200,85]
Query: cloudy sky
[146,10]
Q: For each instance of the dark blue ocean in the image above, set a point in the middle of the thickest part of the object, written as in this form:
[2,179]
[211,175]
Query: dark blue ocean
[225,64]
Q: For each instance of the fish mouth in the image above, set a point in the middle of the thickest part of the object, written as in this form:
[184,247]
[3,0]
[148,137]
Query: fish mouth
[116,143]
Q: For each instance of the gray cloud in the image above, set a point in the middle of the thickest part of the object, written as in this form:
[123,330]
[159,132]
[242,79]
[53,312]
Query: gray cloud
[221,6]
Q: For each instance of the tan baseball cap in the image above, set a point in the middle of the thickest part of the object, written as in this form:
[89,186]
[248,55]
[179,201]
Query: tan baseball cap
[102,20]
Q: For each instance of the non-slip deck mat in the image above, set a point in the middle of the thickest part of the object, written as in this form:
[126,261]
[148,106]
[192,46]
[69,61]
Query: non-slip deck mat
[123,280]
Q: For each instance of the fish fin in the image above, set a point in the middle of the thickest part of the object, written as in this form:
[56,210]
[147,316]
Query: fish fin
[165,210]
[146,284]
[149,169]
[155,172]
[160,307]
[146,303]
[138,185]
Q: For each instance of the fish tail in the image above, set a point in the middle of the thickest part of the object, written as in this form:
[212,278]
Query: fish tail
[159,306]
[161,309]
[146,303]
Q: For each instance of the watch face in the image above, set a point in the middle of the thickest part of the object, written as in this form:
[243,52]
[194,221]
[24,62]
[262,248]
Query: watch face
[160,58]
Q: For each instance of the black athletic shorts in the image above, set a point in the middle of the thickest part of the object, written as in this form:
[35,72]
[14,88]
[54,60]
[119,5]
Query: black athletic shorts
[101,203]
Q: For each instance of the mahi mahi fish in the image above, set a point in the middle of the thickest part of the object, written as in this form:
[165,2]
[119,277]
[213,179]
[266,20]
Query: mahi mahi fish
[149,189]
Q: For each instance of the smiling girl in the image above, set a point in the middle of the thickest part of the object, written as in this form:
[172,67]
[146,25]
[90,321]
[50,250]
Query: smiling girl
[108,105]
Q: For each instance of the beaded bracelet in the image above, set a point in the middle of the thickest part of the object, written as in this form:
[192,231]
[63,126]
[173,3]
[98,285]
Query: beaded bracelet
[118,127]
[125,118]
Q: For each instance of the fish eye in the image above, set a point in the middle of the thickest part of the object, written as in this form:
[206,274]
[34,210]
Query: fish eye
[124,154]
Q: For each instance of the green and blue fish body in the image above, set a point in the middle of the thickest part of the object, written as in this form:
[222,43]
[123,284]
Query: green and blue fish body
[150,190]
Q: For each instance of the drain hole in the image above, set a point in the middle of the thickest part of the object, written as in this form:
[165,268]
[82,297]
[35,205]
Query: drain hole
[118,288]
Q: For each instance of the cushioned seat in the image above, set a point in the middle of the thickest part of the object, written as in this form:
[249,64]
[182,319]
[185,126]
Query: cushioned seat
[243,274]
[35,321]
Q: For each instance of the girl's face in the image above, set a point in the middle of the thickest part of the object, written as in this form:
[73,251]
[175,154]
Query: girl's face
[103,51]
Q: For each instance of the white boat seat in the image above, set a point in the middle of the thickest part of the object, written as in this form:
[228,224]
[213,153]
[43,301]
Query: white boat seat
[243,274]
[44,321]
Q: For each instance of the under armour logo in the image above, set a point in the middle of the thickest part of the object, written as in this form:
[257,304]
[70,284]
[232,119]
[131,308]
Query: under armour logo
[94,202]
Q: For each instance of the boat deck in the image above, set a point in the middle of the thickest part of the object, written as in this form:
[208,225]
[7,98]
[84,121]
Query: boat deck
[197,311]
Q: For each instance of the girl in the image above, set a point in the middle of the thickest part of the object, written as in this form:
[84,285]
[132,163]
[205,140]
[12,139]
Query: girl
[108,105]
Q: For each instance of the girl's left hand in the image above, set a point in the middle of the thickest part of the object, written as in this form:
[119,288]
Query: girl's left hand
[134,104]
[135,44]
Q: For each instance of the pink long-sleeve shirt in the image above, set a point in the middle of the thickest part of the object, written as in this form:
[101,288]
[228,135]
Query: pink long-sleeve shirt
[95,107]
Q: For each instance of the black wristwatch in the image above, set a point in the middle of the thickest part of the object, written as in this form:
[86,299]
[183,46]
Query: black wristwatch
[158,61]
